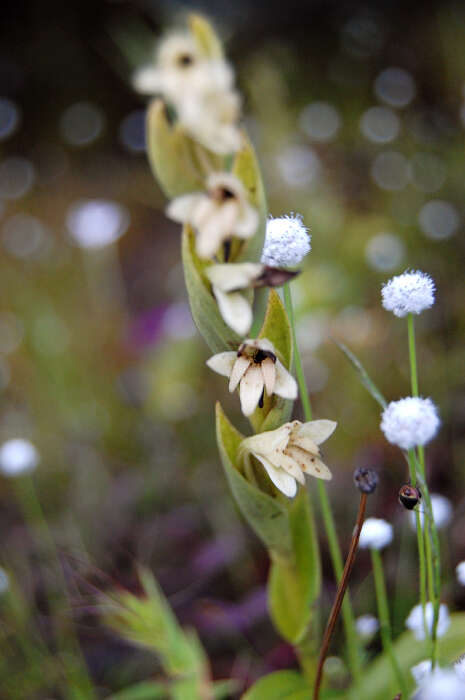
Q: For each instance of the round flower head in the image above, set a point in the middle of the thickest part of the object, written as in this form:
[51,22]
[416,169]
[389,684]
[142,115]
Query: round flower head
[415,622]
[287,241]
[409,293]
[375,534]
[421,670]
[442,512]
[17,457]
[460,571]
[366,626]
[459,668]
[441,684]
[409,422]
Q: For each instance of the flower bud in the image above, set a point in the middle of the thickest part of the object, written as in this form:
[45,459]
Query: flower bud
[365,479]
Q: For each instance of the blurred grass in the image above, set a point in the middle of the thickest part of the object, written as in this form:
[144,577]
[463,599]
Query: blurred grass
[108,378]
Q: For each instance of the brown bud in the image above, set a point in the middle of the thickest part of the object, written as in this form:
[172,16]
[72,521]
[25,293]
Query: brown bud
[274,277]
[365,479]
[409,496]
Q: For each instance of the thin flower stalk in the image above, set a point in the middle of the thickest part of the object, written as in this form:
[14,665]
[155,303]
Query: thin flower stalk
[431,544]
[342,587]
[325,506]
[385,624]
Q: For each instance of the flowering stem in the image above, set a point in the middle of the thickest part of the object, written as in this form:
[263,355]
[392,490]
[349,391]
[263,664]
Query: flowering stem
[325,506]
[340,594]
[412,355]
[420,543]
[383,613]
[432,545]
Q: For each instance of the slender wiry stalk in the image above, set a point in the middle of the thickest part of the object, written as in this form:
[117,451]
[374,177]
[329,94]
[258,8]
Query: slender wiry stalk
[75,667]
[339,595]
[431,545]
[384,621]
[420,543]
[325,506]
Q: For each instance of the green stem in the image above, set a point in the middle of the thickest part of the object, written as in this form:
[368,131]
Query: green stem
[325,507]
[430,531]
[385,625]
[420,543]
[412,355]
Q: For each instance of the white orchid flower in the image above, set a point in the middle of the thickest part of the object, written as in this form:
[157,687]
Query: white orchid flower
[255,368]
[227,280]
[200,89]
[290,452]
[218,214]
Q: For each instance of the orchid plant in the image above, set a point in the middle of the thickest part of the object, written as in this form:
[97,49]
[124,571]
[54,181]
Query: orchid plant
[206,166]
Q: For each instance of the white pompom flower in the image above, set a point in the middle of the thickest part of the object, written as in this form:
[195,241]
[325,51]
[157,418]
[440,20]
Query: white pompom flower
[421,670]
[289,452]
[442,512]
[459,668]
[218,214]
[410,422]
[255,367]
[409,293]
[18,456]
[376,534]
[415,621]
[460,571]
[287,241]
[441,684]
[366,626]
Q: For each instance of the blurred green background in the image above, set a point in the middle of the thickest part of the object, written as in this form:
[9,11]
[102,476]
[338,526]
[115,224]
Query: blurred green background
[358,117]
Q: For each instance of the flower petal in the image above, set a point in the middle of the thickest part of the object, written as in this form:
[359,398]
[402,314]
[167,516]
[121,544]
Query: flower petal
[219,226]
[223,363]
[235,310]
[183,208]
[239,368]
[309,463]
[148,80]
[247,222]
[318,430]
[286,385]
[251,388]
[283,461]
[283,481]
[269,374]
[266,443]
[232,276]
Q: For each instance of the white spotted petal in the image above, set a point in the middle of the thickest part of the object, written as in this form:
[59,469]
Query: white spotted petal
[250,389]
[222,363]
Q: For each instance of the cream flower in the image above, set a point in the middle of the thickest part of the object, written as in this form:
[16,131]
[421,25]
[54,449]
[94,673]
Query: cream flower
[200,89]
[290,451]
[217,214]
[227,280]
[255,368]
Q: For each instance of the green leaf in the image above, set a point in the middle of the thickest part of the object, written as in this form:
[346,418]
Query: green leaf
[294,585]
[266,515]
[246,168]
[366,380]
[377,679]
[205,37]
[281,685]
[148,621]
[177,162]
[277,329]
[205,312]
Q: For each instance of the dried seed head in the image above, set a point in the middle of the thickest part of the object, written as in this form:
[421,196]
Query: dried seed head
[365,479]
[274,277]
